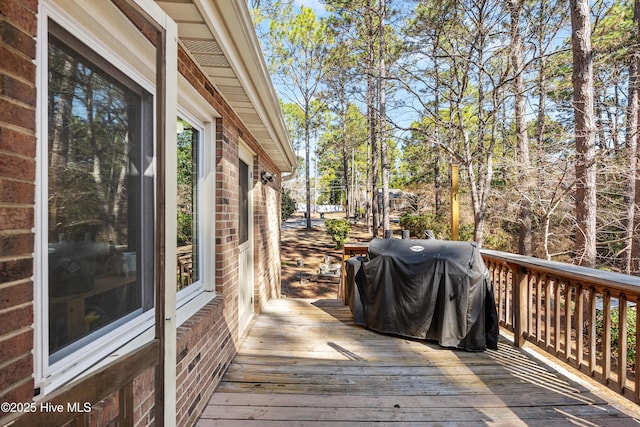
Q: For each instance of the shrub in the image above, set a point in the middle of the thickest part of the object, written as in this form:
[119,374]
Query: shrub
[287,204]
[185,233]
[615,331]
[418,224]
[339,230]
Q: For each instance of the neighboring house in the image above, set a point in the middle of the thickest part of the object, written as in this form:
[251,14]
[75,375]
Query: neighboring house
[137,226]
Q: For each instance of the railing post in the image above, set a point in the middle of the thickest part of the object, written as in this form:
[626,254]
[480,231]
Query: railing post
[519,303]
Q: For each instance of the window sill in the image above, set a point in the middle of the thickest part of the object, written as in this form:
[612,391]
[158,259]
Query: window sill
[193,305]
[184,312]
[79,367]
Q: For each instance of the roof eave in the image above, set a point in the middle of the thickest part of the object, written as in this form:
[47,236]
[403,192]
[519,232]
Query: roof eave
[241,77]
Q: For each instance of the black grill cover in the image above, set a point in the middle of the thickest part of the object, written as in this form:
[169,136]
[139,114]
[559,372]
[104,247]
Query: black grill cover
[426,289]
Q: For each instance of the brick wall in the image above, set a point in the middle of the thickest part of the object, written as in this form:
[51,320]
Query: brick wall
[205,349]
[18,32]
[207,342]
[144,399]
[18,26]
[266,232]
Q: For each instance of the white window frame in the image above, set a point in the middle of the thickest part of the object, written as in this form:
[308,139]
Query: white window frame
[121,45]
[196,287]
[193,108]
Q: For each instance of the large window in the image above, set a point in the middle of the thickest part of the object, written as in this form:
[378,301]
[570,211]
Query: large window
[99,196]
[195,201]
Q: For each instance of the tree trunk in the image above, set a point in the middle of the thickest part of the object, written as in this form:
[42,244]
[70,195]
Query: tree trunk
[372,123]
[480,179]
[307,162]
[345,153]
[382,120]
[583,102]
[541,119]
[631,197]
[60,136]
[58,147]
[523,162]
[437,179]
[632,162]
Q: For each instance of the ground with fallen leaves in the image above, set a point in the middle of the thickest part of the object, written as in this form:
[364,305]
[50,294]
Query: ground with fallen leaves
[302,253]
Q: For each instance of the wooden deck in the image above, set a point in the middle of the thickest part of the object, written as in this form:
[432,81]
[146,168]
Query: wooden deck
[305,363]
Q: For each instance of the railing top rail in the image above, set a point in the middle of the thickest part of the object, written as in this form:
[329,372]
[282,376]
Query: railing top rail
[618,281]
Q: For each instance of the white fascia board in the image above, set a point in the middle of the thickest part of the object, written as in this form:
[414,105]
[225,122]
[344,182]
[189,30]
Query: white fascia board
[231,25]
[155,13]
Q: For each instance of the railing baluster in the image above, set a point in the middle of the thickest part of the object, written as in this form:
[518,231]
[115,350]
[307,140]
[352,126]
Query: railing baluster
[557,309]
[496,285]
[508,285]
[579,320]
[592,331]
[500,294]
[606,338]
[529,291]
[567,320]
[538,308]
[547,310]
[622,342]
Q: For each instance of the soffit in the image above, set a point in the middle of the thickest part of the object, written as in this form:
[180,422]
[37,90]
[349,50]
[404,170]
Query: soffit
[220,37]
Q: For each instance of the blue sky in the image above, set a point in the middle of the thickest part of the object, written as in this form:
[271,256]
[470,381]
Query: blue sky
[316,5]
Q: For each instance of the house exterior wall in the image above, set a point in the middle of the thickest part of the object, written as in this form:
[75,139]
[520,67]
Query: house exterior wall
[267,239]
[208,340]
[18,27]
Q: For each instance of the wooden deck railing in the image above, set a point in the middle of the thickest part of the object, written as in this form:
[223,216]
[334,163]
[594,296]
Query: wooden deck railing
[574,313]
[117,376]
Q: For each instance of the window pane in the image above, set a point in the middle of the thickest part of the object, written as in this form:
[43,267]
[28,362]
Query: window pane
[94,197]
[243,195]
[188,198]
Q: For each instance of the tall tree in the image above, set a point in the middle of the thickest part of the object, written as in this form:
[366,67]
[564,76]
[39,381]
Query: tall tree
[585,133]
[523,162]
[473,79]
[299,43]
[340,84]
[382,123]
[633,109]
[343,138]
[425,37]
[371,116]
[483,73]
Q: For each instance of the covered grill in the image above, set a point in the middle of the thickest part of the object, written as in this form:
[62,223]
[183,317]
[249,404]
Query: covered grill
[426,289]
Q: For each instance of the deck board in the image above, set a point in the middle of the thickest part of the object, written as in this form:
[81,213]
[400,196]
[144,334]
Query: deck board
[305,362]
